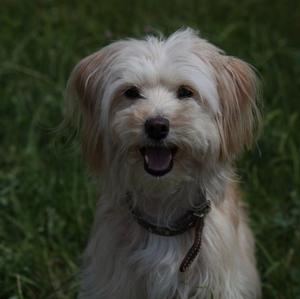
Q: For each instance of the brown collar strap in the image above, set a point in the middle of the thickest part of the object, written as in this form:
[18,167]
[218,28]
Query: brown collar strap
[191,218]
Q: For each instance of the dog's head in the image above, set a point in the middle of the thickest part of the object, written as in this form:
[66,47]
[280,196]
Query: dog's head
[163,107]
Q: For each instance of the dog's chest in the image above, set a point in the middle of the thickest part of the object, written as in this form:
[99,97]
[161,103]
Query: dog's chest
[156,261]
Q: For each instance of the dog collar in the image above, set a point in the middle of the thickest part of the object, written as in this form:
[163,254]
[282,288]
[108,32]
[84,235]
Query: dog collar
[192,218]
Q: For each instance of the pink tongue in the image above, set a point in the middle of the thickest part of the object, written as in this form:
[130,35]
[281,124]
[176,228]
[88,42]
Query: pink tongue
[158,158]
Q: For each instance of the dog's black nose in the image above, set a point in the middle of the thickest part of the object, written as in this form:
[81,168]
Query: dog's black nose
[157,128]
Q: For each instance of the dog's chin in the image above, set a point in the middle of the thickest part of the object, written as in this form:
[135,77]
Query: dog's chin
[158,160]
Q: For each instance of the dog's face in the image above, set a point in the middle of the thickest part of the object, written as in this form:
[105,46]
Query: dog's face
[163,108]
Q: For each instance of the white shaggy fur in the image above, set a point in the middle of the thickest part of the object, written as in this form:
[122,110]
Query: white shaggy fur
[122,259]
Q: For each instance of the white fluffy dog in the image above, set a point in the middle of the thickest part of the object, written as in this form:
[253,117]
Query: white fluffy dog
[162,121]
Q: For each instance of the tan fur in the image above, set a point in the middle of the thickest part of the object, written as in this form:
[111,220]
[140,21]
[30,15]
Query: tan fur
[80,88]
[232,205]
[238,93]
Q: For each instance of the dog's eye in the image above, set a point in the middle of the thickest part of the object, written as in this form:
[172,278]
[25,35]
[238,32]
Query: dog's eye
[184,92]
[132,93]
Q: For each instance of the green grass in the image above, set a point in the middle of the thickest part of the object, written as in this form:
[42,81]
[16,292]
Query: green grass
[47,201]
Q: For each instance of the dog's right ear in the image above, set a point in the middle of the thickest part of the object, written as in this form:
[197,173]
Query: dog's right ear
[84,100]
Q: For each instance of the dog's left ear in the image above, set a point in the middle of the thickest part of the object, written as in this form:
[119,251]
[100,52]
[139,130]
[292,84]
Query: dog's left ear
[238,118]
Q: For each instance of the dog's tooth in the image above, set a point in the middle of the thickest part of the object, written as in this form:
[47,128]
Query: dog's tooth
[146,159]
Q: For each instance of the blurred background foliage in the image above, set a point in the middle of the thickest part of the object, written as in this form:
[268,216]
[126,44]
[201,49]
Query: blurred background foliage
[47,200]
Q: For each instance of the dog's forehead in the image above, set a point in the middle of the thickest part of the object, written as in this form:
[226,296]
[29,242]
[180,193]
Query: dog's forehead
[162,57]
[153,62]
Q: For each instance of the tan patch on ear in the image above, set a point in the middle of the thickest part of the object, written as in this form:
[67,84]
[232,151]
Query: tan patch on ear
[83,102]
[238,118]
[86,78]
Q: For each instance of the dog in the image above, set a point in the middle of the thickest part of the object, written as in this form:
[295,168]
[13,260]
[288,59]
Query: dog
[162,121]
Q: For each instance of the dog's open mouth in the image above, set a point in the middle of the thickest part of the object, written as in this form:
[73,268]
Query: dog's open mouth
[158,160]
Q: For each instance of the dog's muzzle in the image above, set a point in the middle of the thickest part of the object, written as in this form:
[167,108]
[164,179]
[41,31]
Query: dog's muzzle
[158,158]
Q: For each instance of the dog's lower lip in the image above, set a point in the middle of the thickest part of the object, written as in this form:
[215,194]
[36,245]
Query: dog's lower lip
[158,160]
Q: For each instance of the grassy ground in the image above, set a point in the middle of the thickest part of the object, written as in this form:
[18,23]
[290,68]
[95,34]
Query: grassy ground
[46,201]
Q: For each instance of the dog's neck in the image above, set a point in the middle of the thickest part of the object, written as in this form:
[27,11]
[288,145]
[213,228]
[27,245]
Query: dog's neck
[167,201]
[164,198]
